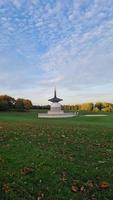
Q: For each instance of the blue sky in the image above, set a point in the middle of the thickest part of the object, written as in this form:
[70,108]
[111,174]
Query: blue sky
[62,43]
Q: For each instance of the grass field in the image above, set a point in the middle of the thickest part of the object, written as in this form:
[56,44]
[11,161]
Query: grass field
[56,159]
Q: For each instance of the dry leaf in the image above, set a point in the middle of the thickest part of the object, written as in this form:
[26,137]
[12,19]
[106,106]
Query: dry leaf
[82,189]
[26,170]
[104,185]
[49,198]
[93,198]
[74,188]
[90,184]
[6,188]
[38,196]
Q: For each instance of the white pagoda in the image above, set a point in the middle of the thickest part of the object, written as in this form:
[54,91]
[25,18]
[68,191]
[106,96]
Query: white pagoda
[55,108]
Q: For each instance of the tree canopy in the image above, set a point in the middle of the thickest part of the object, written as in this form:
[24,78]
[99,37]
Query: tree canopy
[91,107]
[8,103]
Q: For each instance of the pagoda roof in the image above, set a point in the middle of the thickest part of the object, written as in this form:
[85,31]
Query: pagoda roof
[55,99]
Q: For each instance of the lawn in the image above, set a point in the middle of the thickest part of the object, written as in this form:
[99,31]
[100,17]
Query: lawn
[55,159]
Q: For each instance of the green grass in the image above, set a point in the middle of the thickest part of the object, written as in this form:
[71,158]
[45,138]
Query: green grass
[60,152]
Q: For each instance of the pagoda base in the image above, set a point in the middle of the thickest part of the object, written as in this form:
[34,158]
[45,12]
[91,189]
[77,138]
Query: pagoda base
[56,115]
[55,112]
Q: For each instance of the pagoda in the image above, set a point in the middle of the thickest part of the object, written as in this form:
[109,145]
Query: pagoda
[55,108]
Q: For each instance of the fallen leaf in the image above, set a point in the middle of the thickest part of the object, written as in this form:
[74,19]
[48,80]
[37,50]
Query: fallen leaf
[74,188]
[49,198]
[90,184]
[6,188]
[26,170]
[93,198]
[38,196]
[82,189]
[104,185]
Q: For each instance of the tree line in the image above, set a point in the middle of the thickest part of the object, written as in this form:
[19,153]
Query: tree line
[90,107]
[8,103]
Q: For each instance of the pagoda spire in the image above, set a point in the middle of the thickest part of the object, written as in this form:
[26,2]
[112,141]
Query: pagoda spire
[55,92]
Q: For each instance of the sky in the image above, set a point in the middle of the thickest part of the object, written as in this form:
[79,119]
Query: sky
[67,44]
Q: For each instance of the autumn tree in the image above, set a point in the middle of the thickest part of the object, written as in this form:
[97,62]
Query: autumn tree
[76,107]
[107,107]
[86,107]
[23,105]
[27,104]
[6,102]
[99,105]
[19,106]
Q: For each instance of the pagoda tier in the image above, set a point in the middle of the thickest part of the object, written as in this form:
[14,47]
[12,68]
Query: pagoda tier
[55,99]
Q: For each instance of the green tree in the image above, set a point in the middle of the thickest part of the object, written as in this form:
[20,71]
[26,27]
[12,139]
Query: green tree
[4,105]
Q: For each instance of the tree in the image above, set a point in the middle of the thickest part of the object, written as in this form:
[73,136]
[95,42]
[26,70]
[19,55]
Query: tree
[6,102]
[19,106]
[86,107]
[27,104]
[99,105]
[4,105]
[109,106]
[106,109]
[96,109]
[23,105]
[76,107]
